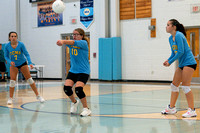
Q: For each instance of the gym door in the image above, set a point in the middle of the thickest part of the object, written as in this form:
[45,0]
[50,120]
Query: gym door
[66,55]
[194,42]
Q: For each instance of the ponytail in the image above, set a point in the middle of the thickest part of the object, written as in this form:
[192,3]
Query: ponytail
[85,38]
[179,27]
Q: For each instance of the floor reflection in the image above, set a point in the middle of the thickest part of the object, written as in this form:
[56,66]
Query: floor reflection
[116,108]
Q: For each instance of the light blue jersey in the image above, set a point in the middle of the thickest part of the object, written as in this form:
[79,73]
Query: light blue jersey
[19,55]
[79,57]
[181,50]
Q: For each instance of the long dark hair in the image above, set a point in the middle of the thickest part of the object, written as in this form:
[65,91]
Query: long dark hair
[179,26]
[82,33]
[10,34]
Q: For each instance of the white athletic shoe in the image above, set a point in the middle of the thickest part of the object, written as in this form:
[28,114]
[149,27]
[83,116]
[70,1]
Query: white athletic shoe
[190,113]
[10,101]
[86,112]
[41,99]
[74,107]
[169,111]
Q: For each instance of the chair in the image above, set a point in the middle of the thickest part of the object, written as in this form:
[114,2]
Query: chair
[34,72]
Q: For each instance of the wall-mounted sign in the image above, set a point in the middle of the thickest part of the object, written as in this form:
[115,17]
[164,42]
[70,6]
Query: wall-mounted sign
[46,16]
[195,8]
[86,12]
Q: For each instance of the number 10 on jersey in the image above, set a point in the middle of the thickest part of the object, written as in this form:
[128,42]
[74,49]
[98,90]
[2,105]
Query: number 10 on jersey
[74,52]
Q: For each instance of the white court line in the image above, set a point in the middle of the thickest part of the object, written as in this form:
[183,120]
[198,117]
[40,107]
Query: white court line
[122,84]
[144,99]
[128,84]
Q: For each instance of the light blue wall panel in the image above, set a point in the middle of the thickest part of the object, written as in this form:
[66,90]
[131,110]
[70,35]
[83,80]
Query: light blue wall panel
[105,59]
[117,58]
[110,58]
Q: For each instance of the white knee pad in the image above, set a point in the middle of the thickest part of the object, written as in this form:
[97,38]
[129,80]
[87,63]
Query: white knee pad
[12,83]
[186,89]
[30,81]
[174,88]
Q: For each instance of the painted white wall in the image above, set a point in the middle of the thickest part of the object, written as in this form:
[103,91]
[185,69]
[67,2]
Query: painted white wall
[7,19]
[41,42]
[142,56]
[114,18]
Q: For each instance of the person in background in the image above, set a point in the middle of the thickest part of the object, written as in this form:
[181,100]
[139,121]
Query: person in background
[187,65]
[79,70]
[17,56]
[2,65]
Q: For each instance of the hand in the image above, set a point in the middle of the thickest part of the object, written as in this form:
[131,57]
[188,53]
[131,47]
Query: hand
[12,63]
[31,66]
[166,63]
[59,42]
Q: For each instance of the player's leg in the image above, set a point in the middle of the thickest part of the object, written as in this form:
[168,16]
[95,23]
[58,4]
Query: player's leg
[170,109]
[2,75]
[174,86]
[13,75]
[82,80]
[186,80]
[68,89]
[3,70]
[25,71]
[69,92]
[80,93]
[69,83]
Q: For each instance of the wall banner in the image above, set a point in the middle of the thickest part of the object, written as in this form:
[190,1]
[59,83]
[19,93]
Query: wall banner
[46,16]
[86,12]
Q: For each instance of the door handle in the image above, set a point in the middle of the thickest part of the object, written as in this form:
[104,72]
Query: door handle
[197,57]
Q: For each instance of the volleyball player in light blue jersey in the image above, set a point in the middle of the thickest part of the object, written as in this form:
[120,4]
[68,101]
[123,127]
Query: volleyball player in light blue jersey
[187,65]
[79,70]
[17,55]
[79,57]
[180,50]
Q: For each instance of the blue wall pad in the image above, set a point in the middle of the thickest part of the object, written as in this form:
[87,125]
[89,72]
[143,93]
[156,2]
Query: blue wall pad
[110,58]
[117,58]
[105,59]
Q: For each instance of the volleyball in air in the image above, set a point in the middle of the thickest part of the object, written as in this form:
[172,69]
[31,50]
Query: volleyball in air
[58,6]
